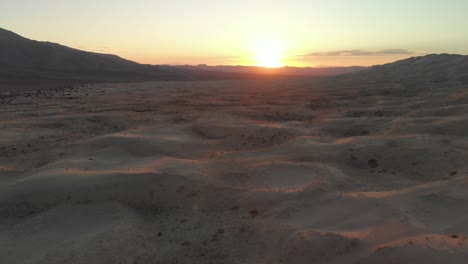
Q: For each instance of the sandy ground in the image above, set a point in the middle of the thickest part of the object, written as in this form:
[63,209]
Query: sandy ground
[267,171]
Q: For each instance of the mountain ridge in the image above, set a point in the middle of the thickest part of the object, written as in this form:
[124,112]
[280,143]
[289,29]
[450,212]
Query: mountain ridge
[26,62]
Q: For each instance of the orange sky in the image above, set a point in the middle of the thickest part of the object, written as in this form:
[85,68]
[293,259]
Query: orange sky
[295,32]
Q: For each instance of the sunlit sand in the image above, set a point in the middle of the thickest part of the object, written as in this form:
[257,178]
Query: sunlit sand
[267,171]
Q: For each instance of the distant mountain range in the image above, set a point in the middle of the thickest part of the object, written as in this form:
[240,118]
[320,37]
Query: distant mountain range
[289,71]
[25,62]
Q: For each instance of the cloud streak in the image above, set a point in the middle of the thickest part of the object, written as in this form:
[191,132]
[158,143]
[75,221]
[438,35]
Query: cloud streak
[360,53]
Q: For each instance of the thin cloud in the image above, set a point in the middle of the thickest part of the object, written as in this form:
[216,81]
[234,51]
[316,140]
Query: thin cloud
[359,53]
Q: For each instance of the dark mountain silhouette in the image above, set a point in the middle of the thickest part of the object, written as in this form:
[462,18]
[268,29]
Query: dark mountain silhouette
[37,64]
[19,53]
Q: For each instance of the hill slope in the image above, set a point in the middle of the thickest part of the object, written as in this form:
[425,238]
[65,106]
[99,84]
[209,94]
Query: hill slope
[433,68]
[21,58]
[22,53]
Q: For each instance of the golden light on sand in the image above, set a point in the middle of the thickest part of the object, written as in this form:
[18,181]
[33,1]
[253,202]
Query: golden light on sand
[269,54]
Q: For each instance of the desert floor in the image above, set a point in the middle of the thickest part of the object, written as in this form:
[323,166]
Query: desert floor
[260,171]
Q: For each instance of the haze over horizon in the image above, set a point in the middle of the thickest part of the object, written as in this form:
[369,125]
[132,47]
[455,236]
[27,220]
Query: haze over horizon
[262,33]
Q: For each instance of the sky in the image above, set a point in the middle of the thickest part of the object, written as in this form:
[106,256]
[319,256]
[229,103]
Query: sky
[254,32]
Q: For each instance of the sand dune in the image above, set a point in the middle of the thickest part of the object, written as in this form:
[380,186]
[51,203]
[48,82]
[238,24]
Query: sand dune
[260,171]
[433,68]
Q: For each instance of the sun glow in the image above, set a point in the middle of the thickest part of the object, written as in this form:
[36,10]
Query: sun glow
[269,54]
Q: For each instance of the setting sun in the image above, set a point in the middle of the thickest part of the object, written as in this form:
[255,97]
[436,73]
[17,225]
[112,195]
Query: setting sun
[269,54]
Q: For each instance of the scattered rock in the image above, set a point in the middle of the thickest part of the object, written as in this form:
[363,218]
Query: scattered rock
[373,163]
[379,113]
[192,194]
[253,213]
